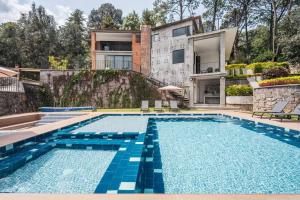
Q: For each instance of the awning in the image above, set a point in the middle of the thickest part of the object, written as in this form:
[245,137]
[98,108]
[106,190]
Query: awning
[170,88]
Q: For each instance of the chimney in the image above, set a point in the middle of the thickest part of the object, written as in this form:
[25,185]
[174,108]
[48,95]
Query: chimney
[145,49]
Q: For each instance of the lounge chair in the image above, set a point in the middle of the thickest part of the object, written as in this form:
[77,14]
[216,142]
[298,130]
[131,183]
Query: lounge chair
[277,109]
[173,106]
[145,106]
[295,112]
[158,105]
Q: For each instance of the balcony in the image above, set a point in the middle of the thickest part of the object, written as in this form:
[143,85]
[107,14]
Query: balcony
[115,63]
[113,46]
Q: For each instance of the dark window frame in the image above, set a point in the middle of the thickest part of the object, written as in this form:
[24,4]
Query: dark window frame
[177,58]
[178,31]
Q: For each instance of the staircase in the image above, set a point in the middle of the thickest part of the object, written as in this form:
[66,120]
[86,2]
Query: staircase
[253,81]
[174,94]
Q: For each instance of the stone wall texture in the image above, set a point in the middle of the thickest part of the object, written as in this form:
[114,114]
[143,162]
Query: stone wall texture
[104,89]
[264,98]
[21,102]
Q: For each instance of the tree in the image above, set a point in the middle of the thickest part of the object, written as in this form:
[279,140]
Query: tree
[239,13]
[153,17]
[131,22]
[272,12]
[74,40]
[177,8]
[9,45]
[215,10]
[105,17]
[38,37]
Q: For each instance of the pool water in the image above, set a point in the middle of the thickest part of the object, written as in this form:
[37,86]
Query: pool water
[221,156]
[60,171]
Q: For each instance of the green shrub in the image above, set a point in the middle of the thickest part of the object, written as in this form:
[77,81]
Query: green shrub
[264,57]
[280,81]
[275,72]
[235,66]
[260,67]
[239,90]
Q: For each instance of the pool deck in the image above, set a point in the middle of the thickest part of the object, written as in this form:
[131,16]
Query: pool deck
[32,132]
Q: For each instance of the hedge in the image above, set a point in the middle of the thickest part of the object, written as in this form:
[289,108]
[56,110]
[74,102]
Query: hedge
[239,90]
[280,81]
[267,65]
[235,66]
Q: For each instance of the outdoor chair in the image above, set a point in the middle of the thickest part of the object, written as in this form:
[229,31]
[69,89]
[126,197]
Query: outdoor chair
[277,109]
[173,106]
[145,105]
[295,112]
[158,105]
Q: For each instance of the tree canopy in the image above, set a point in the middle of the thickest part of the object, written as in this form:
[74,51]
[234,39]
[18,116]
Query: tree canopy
[268,30]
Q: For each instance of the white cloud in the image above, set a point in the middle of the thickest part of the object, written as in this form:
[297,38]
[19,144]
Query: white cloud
[11,10]
[60,13]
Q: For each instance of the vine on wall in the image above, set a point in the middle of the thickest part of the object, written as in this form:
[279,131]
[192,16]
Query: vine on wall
[105,88]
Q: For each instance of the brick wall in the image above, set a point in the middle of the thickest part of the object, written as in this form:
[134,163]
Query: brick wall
[136,52]
[93,49]
[145,49]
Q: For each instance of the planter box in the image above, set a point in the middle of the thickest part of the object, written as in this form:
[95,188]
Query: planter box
[239,100]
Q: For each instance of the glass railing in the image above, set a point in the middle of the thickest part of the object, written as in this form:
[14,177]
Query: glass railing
[113,64]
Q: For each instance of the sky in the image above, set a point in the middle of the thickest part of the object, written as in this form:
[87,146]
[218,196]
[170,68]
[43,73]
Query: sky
[10,9]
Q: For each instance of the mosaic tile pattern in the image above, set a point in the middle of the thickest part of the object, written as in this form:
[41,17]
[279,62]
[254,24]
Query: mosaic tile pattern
[137,166]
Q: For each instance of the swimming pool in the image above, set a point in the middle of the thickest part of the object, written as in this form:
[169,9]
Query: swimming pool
[158,153]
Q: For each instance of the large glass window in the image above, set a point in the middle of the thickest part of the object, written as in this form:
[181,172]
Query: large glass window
[181,31]
[118,62]
[113,46]
[178,56]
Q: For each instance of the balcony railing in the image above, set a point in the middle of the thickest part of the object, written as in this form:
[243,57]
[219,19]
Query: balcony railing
[114,64]
[205,68]
[9,84]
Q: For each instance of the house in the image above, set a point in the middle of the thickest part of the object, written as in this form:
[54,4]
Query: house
[178,53]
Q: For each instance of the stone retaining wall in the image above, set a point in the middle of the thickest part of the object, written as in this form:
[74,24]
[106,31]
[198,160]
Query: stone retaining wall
[264,98]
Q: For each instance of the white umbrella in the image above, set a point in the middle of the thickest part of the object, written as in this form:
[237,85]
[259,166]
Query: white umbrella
[170,88]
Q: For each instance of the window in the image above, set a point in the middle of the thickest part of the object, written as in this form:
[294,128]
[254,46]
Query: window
[114,46]
[155,37]
[181,31]
[118,62]
[178,56]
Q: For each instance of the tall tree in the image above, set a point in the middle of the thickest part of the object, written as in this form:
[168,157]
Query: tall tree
[131,22]
[177,8]
[105,17]
[272,12]
[74,40]
[37,33]
[214,11]
[9,45]
[239,13]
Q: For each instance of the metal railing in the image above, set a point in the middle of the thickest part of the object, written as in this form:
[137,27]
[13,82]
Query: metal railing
[205,68]
[9,84]
[114,64]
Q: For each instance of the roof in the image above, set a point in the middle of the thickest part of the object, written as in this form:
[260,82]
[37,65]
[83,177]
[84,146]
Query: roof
[176,22]
[113,31]
[4,72]
[230,35]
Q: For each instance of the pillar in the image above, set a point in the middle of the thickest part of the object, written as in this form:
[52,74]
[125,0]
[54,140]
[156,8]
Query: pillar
[222,91]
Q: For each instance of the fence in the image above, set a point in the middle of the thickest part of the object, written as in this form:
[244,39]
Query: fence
[9,84]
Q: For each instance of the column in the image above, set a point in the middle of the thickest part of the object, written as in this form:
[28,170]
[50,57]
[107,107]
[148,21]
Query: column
[222,91]
[222,52]
[191,89]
